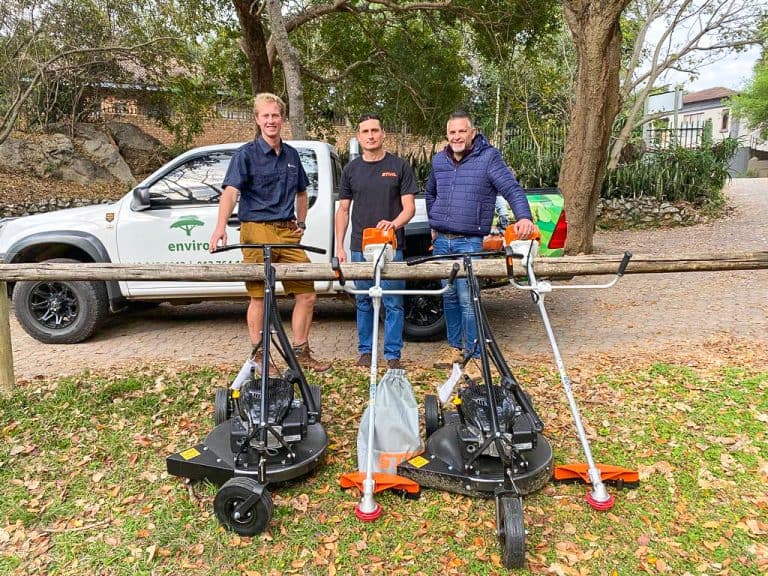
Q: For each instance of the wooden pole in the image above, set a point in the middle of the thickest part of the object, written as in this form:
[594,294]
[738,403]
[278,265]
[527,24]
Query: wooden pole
[6,352]
[564,267]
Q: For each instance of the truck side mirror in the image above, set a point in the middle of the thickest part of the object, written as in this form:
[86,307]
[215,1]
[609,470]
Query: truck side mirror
[140,198]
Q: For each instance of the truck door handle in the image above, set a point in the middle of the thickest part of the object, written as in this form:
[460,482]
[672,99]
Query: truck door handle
[233,221]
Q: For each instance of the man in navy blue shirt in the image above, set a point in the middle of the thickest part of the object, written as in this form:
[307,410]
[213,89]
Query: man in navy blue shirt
[270,181]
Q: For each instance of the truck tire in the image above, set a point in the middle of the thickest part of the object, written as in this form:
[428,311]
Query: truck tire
[424,319]
[60,312]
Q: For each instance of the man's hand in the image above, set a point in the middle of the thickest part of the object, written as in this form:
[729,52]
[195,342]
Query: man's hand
[341,254]
[215,237]
[386,225]
[524,228]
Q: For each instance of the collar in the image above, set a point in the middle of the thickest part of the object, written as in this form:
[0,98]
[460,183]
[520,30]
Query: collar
[467,151]
[266,148]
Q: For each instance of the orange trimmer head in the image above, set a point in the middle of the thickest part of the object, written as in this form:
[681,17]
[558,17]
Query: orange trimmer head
[621,477]
[408,488]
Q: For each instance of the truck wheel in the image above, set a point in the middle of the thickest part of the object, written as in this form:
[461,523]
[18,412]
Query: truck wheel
[424,318]
[60,312]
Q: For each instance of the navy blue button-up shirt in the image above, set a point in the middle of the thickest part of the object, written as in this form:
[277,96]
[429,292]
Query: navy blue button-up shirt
[268,182]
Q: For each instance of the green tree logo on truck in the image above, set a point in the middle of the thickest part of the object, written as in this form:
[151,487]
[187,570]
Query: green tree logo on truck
[188,223]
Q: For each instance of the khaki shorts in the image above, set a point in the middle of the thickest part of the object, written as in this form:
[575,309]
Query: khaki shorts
[266,233]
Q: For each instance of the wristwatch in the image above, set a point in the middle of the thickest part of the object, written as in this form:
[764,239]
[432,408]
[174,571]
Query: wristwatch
[301,224]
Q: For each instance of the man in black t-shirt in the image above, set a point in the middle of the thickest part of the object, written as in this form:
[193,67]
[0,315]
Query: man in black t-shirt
[382,188]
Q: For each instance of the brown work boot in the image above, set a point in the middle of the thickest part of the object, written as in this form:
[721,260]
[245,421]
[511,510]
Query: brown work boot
[448,357]
[393,363]
[364,361]
[304,356]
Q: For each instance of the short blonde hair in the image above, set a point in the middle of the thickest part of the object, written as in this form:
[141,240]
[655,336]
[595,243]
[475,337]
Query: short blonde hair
[264,97]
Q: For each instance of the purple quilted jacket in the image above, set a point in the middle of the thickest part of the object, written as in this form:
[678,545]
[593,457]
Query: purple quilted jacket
[461,197]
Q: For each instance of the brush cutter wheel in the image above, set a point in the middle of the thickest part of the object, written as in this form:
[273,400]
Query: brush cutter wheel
[243,506]
[222,408]
[511,530]
[433,414]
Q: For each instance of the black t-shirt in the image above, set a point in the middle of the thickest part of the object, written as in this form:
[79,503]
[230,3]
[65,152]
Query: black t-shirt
[375,189]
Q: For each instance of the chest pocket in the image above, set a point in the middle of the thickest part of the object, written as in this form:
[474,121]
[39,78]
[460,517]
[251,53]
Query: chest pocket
[265,183]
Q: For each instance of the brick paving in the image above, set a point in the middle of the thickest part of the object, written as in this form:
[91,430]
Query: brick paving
[641,314]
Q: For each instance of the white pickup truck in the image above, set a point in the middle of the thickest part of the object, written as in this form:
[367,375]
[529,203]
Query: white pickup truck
[168,219]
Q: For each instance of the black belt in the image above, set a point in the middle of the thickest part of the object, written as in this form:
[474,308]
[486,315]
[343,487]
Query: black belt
[452,236]
[282,223]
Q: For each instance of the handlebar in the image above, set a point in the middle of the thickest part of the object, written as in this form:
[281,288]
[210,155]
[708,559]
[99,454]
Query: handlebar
[336,267]
[543,286]
[415,260]
[287,245]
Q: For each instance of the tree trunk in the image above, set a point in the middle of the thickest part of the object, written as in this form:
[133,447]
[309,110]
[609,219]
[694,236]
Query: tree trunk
[597,37]
[291,60]
[254,45]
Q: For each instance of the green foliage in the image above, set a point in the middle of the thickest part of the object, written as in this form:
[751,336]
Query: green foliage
[688,174]
[752,102]
[411,75]
[536,161]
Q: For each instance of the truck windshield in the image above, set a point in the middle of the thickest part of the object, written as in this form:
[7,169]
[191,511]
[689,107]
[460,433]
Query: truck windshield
[198,181]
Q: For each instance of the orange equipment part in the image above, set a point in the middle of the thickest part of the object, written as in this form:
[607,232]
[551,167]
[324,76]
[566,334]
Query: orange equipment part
[510,235]
[378,236]
[493,242]
[614,474]
[381,482]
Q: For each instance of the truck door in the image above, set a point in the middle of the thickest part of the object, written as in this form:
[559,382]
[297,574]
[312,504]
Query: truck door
[175,229]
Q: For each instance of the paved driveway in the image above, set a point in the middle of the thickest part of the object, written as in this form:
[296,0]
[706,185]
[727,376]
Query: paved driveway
[641,315]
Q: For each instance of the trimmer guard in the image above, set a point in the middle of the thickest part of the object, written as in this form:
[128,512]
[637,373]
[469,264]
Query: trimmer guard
[214,461]
[621,477]
[441,466]
[383,482]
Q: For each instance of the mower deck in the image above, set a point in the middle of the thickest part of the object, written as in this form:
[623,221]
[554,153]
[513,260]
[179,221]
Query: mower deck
[441,466]
[214,461]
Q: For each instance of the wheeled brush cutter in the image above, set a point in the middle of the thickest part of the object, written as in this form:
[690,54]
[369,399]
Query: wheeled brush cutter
[378,248]
[267,425]
[490,445]
[599,498]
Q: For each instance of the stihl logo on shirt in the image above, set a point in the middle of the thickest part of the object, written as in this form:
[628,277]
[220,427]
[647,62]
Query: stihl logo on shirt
[389,174]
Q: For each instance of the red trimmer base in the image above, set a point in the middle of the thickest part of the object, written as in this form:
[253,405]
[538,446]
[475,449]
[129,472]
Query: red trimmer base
[368,516]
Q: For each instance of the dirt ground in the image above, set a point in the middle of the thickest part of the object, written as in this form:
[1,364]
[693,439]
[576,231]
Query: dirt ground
[702,317]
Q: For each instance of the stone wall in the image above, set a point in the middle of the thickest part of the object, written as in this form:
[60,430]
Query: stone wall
[645,212]
[27,208]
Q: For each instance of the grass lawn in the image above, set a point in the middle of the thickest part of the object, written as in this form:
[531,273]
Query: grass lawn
[83,487]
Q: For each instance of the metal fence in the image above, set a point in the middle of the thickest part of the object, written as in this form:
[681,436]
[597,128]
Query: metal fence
[665,138]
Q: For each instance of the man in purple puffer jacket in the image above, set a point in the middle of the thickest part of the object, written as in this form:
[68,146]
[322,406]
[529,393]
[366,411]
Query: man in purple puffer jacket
[461,195]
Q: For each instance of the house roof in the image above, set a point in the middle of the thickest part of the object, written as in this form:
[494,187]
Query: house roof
[717,93]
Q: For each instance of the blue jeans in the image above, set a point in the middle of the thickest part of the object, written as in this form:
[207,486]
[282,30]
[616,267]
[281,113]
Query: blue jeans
[395,314]
[459,315]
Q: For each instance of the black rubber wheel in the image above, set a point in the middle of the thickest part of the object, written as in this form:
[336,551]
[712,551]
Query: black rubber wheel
[511,530]
[235,491]
[433,414]
[60,311]
[424,319]
[222,408]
